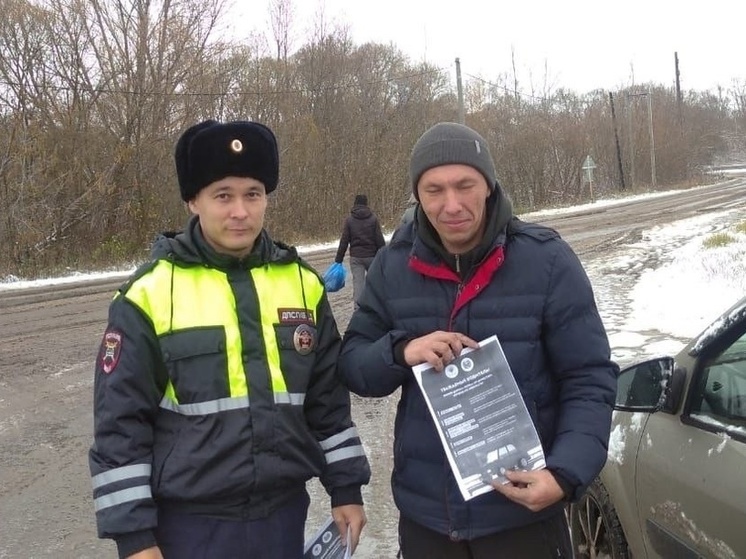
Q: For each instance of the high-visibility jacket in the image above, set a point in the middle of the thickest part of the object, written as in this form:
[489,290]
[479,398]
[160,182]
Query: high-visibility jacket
[215,389]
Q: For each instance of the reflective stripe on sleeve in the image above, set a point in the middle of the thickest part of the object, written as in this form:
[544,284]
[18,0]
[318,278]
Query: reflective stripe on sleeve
[344,453]
[121,474]
[339,438]
[139,493]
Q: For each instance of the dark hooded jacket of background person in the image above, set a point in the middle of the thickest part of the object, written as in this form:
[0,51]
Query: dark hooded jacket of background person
[361,232]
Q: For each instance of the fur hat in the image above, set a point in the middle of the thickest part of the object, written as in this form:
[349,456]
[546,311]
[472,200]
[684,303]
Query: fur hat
[451,143]
[211,150]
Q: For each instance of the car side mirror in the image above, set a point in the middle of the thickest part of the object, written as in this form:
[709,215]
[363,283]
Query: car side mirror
[674,390]
[641,387]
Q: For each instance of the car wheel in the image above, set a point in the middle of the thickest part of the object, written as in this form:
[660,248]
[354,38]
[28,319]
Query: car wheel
[595,528]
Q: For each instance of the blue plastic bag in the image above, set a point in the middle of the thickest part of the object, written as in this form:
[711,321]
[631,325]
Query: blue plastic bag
[334,277]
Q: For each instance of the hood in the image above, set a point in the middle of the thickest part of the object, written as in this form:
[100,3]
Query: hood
[189,247]
[361,212]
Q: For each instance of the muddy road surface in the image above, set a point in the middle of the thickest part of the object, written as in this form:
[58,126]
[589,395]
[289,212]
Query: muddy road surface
[48,340]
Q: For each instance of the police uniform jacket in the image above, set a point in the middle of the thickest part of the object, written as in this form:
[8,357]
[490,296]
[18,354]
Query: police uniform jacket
[523,284]
[215,390]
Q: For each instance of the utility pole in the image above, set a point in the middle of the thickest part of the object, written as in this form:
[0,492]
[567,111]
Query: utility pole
[616,140]
[460,89]
[649,95]
[631,133]
[652,138]
[678,85]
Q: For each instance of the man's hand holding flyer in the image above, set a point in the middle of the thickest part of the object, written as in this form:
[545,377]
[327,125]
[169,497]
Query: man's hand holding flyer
[328,544]
[481,417]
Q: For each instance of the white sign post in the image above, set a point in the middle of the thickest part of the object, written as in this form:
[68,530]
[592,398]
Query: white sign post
[588,166]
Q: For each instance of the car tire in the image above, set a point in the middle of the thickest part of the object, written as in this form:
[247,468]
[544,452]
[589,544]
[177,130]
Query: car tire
[594,526]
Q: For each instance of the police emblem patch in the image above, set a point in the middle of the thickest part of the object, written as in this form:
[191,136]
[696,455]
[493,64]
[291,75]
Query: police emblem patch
[111,349]
[304,339]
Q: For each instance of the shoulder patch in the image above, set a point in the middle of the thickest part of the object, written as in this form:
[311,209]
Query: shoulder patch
[111,350]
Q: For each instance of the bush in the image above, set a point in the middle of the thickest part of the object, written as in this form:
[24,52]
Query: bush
[718,240]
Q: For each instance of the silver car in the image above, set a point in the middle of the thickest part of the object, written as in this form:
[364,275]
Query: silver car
[674,485]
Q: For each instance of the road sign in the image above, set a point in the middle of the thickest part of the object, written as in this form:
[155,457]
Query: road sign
[588,166]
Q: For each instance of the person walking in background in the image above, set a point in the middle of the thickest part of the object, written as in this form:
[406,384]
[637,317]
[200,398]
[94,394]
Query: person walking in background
[215,393]
[363,234]
[464,270]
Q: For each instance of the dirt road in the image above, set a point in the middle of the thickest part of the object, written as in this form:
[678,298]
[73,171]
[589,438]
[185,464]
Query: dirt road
[49,337]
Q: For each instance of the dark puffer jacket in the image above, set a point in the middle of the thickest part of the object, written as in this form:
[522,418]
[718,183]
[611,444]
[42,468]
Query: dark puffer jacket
[362,233]
[529,289]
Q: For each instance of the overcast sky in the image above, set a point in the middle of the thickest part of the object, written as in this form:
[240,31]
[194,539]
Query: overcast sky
[577,44]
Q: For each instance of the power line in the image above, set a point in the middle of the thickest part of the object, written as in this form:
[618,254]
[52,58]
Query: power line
[506,89]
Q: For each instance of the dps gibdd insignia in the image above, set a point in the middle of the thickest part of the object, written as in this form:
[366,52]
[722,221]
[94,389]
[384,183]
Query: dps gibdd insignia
[237,146]
[304,339]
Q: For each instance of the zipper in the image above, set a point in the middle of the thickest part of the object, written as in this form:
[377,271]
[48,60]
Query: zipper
[459,289]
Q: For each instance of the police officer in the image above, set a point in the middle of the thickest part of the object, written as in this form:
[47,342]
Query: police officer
[215,395]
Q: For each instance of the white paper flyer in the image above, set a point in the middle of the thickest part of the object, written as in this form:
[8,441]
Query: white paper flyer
[327,543]
[481,417]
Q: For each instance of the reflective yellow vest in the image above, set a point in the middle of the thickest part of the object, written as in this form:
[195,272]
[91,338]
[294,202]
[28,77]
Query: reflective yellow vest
[182,298]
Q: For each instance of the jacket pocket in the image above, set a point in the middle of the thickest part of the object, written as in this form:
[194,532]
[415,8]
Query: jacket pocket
[297,347]
[197,364]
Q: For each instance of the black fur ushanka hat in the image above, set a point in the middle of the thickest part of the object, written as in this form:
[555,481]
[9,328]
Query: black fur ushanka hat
[211,150]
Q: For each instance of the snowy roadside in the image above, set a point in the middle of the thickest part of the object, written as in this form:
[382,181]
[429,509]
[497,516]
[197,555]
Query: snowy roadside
[656,294]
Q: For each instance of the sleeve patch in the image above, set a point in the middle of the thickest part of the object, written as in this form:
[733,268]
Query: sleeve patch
[111,350]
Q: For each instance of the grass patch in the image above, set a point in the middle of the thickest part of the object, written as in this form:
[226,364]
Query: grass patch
[718,240]
[741,227]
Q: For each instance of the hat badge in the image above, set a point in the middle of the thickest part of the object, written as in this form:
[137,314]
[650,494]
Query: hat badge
[237,146]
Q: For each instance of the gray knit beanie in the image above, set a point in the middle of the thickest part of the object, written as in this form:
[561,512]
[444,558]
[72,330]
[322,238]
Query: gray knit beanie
[448,143]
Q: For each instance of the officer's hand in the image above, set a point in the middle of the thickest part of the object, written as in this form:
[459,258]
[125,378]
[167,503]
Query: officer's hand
[352,516]
[437,349]
[150,553]
[535,490]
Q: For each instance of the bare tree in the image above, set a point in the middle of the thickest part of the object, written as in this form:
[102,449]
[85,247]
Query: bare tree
[94,94]
[282,15]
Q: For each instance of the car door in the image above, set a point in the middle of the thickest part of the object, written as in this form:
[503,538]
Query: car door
[691,466]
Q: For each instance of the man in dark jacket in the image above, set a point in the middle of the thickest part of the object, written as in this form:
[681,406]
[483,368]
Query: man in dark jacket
[466,269]
[363,234]
[215,395]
